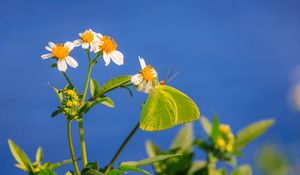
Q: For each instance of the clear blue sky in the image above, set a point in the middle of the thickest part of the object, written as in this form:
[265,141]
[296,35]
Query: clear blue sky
[235,59]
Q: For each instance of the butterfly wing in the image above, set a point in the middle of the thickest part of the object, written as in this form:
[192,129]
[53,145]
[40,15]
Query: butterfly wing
[167,107]
[187,109]
[159,111]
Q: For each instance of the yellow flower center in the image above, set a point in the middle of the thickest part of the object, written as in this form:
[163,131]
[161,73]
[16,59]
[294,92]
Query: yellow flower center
[60,51]
[87,36]
[108,45]
[224,129]
[147,73]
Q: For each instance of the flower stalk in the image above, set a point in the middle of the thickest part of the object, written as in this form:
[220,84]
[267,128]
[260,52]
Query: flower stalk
[133,131]
[77,171]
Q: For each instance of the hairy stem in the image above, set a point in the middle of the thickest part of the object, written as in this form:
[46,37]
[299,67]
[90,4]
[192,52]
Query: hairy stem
[74,161]
[133,131]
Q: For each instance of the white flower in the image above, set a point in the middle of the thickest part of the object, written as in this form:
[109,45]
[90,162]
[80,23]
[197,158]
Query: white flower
[87,38]
[61,53]
[109,49]
[145,78]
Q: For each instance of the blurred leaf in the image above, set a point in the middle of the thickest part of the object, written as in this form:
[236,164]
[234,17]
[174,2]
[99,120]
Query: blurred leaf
[196,166]
[94,87]
[133,168]
[242,170]
[115,172]
[202,145]
[184,138]
[58,93]
[222,171]
[272,161]
[70,173]
[251,132]
[20,156]
[53,166]
[54,65]
[46,172]
[215,129]
[152,149]
[113,84]
[149,160]
[207,126]
[39,155]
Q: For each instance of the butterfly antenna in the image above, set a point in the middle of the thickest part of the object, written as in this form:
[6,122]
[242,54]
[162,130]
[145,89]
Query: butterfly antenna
[173,76]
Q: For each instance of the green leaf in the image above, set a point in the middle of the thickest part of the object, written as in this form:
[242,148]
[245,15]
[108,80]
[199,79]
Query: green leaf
[251,132]
[94,87]
[39,155]
[86,107]
[46,172]
[222,171]
[115,172]
[56,112]
[54,65]
[70,173]
[149,160]
[242,170]
[58,93]
[152,149]
[128,89]
[113,84]
[108,102]
[196,166]
[206,125]
[54,166]
[133,168]
[20,156]
[215,129]
[184,139]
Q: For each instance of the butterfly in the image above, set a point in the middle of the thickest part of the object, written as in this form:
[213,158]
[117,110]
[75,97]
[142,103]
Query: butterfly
[166,107]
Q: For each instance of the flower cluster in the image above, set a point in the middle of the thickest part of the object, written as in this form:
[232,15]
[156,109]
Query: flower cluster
[146,79]
[90,41]
[225,139]
[70,103]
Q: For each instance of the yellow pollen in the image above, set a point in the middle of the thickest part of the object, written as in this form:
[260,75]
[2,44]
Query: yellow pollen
[224,128]
[60,51]
[87,36]
[108,45]
[147,73]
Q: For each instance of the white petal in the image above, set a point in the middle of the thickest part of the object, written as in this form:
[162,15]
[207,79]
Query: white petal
[148,87]
[106,58]
[154,73]
[98,35]
[77,42]
[48,48]
[136,79]
[141,86]
[117,57]
[142,62]
[71,61]
[62,65]
[85,45]
[46,56]
[69,45]
[51,44]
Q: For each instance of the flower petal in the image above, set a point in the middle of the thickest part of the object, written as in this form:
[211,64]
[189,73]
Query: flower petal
[70,45]
[85,45]
[148,87]
[71,61]
[142,62]
[106,58]
[141,86]
[77,42]
[48,48]
[46,56]
[62,65]
[51,44]
[153,72]
[136,79]
[117,57]
[98,35]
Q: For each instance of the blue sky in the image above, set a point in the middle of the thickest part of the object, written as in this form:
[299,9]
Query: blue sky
[236,58]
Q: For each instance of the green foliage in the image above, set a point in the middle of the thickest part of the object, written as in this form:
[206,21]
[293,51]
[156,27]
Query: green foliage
[166,107]
[36,168]
[113,84]
[242,170]
[251,132]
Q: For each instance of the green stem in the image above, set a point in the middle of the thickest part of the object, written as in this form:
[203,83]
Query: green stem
[211,164]
[121,148]
[68,79]
[81,130]
[72,148]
